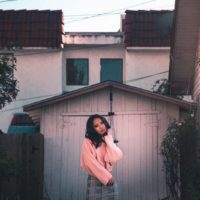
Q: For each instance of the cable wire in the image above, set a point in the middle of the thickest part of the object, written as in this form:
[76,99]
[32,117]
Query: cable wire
[5,1]
[109,12]
[143,77]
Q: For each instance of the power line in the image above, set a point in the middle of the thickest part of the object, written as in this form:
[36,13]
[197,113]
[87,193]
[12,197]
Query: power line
[36,97]
[91,15]
[7,1]
[143,77]
[109,12]
[16,108]
[136,79]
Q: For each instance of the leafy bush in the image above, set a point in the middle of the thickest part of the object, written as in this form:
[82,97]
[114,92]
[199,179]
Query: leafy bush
[180,161]
[8,83]
[162,87]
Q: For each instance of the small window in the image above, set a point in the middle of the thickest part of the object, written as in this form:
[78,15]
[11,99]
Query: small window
[77,71]
[111,69]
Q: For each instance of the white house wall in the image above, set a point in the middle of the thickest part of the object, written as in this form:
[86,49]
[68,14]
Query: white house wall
[143,63]
[42,73]
[93,38]
[39,76]
[139,128]
[93,54]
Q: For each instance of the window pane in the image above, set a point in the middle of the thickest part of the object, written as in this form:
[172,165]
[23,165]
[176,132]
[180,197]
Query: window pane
[111,69]
[77,71]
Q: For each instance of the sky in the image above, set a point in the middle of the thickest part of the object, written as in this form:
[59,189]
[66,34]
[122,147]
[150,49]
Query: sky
[89,15]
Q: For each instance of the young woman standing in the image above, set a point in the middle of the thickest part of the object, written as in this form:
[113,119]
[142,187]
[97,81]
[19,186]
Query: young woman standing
[98,154]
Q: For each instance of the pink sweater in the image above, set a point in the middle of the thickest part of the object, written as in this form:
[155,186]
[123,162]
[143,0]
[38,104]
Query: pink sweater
[98,162]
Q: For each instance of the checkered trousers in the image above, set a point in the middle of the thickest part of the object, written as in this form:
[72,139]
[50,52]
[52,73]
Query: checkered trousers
[97,191]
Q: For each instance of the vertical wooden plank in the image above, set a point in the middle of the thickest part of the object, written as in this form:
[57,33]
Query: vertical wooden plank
[121,135]
[94,102]
[47,156]
[8,189]
[71,172]
[130,101]
[131,156]
[82,183]
[118,100]
[161,131]
[57,141]
[85,102]
[65,155]
[75,105]
[124,121]
[143,103]
[155,152]
[28,183]
[137,157]
[76,156]
[142,157]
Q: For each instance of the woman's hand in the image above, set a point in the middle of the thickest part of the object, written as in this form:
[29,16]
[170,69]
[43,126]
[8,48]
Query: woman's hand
[106,133]
[110,182]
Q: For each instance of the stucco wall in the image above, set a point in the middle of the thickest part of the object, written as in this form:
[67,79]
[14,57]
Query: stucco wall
[147,64]
[93,38]
[39,76]
[42,73]
[94,54]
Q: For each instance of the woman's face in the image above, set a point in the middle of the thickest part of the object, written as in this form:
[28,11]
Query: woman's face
[99,126]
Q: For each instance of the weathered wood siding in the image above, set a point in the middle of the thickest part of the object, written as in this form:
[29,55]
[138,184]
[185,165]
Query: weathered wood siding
[140,124]
[25,154]
[183,54]
[196,90]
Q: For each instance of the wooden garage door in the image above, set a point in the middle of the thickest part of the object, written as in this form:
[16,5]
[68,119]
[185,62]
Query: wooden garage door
[139,174]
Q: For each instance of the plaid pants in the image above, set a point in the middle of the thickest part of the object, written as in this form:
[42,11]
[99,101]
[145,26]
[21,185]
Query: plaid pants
[97,191]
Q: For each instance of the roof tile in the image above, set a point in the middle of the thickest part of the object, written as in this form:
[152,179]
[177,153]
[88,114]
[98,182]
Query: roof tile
[148,28]
[31,28]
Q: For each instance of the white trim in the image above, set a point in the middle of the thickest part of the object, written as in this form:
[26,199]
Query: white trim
[140,112]
[147,48]
[85,114]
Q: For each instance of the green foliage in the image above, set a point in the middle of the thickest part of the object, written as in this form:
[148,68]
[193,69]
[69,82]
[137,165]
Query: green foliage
[180,164]
[8,83]
[171,153]
[162,87]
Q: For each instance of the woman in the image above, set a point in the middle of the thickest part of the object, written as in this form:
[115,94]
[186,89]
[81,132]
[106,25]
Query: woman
[98,155]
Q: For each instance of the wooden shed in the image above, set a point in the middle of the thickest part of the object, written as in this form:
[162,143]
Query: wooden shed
[140,121]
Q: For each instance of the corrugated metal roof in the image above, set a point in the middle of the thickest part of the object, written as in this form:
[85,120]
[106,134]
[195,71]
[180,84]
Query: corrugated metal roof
[107,84]
[148,28]
[31,28]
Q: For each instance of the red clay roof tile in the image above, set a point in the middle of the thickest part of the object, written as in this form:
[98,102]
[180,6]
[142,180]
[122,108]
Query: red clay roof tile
[148,28]
[31,28]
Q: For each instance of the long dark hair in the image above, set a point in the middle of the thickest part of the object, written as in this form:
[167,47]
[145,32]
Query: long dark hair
[90,131]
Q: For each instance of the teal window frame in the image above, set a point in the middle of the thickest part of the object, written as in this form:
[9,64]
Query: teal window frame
[111,76]
[73,71]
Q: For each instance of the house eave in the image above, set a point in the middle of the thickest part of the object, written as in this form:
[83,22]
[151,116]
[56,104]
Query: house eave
[184,48]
